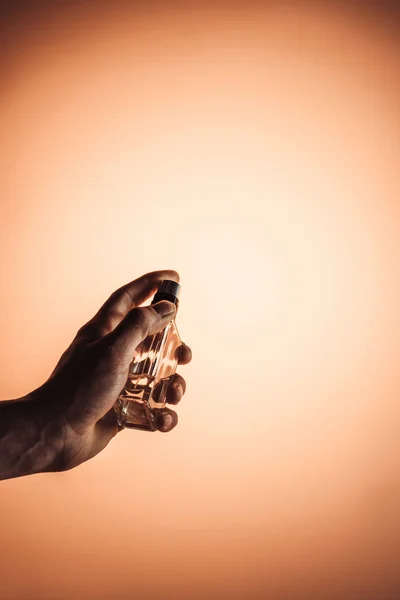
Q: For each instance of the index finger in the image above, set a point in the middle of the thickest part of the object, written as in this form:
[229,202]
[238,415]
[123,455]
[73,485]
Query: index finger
[138,290]
[129,296]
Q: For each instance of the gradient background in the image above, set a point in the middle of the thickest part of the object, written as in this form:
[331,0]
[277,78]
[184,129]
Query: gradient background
[255,149]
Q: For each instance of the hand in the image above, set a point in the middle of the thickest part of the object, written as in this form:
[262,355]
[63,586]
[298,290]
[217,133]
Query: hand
[72,412]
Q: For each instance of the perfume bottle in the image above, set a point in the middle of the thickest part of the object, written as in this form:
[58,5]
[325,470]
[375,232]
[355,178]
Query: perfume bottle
[154,362]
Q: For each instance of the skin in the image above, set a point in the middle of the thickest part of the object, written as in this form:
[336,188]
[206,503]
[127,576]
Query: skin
[70,418]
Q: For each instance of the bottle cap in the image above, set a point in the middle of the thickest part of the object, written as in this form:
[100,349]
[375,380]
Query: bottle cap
[167,290]
[169,287]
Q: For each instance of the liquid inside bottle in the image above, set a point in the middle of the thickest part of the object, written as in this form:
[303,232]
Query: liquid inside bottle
[154,362]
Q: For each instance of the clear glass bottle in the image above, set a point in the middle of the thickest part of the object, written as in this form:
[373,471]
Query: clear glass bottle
[154,362]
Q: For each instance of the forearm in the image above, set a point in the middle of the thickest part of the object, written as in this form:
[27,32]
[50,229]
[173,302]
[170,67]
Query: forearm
[27,437]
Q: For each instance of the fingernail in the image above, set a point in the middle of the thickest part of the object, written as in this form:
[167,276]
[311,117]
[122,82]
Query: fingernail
[179,389]
[164,308]
[167,420]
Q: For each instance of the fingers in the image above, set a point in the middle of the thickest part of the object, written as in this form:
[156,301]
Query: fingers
[166,420]
[122,342]
[184,354]
[176,389]
[129,296]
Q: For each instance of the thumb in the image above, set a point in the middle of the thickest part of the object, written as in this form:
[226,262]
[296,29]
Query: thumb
[136,326]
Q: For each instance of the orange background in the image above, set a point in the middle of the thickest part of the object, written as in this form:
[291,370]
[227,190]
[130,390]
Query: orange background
[255,149]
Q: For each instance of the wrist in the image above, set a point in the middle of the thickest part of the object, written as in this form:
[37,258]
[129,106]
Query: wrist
[29,437]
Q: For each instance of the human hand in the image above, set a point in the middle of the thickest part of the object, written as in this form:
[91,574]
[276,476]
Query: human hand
[72,411]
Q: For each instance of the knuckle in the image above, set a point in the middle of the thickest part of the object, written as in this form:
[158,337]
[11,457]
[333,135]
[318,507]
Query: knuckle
[112,301]
[115,296]
[88,330]
[110,320]
[107,325]
[83,330]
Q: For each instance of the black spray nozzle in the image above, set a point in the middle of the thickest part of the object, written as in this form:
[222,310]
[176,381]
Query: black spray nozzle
[167,290]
